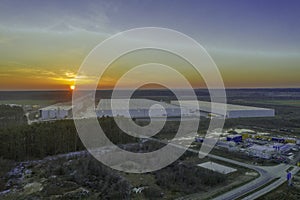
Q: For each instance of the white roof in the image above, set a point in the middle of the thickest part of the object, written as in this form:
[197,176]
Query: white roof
[262,133]
[232,136]
[217,167]
[105,104]
[206,106]
[243,130]
[61,106]
[261,148]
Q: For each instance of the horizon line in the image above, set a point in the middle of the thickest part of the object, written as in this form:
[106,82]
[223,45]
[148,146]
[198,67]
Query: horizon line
[228,88]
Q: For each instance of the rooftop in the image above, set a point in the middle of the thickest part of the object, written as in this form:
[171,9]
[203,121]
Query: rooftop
[223,109]
[217,167]
[261,148]
[63,106]
[105,104]
[206,105]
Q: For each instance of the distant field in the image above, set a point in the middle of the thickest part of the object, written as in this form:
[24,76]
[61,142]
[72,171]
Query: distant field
[295,103]
[280,102]
[28,102]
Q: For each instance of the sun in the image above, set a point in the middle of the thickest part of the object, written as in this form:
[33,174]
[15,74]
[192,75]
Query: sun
[72,87]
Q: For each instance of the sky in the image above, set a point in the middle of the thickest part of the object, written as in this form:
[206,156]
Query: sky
[254,43]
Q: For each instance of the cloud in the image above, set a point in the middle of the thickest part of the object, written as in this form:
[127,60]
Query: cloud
[40,73]
[57,16]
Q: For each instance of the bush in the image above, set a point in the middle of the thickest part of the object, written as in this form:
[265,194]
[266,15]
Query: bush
[152,193]
[181,177]
[5,167]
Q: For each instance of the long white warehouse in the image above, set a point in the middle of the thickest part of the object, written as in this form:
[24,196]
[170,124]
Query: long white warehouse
[56,111]
[144,108]
[138,108]
[233,111]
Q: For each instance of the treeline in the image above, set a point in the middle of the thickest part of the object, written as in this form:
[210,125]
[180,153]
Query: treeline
[39,140]
[11,116]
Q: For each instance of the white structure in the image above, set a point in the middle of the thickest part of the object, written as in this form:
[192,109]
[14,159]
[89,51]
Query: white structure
[261,151]
[138,108]
[233,111]
[56,111]
[217,167]
[240,131]
[283,148]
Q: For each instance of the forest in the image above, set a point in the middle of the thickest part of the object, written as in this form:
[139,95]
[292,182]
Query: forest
[11,116]
[36,141]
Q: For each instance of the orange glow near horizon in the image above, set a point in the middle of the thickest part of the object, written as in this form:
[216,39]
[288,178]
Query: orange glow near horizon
[72,87]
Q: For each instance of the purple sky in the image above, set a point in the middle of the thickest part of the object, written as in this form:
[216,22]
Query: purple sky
[255,35]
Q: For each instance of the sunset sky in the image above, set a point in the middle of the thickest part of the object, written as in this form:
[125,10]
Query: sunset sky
[255,43]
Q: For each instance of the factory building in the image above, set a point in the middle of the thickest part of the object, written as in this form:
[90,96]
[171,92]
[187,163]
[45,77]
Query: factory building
[138,108]
[229,145]
[234,138]
[261,151]
[266,151]
[283,148]
[57,111]
[232,111]
[143,108]
[277,139]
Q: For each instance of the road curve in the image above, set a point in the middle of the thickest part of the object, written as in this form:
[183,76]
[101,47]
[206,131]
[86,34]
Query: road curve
[267,174]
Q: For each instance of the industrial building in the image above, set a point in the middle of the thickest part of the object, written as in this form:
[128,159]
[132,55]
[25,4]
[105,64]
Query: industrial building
[283,148]
[261,151]
[262,145]
[235,138]
[277,139]
[229,145]
[138,108]
[56,111]
[143,108]
[230,110]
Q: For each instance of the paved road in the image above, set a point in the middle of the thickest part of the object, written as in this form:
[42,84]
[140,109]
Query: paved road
[267,174]
[272,186]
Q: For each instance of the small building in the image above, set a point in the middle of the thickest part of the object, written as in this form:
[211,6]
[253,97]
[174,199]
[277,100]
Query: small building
[240,131]
[291,140]
[230,146]
[277,139]
[235,138]
[199,139]
[263,134]
[245,136]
